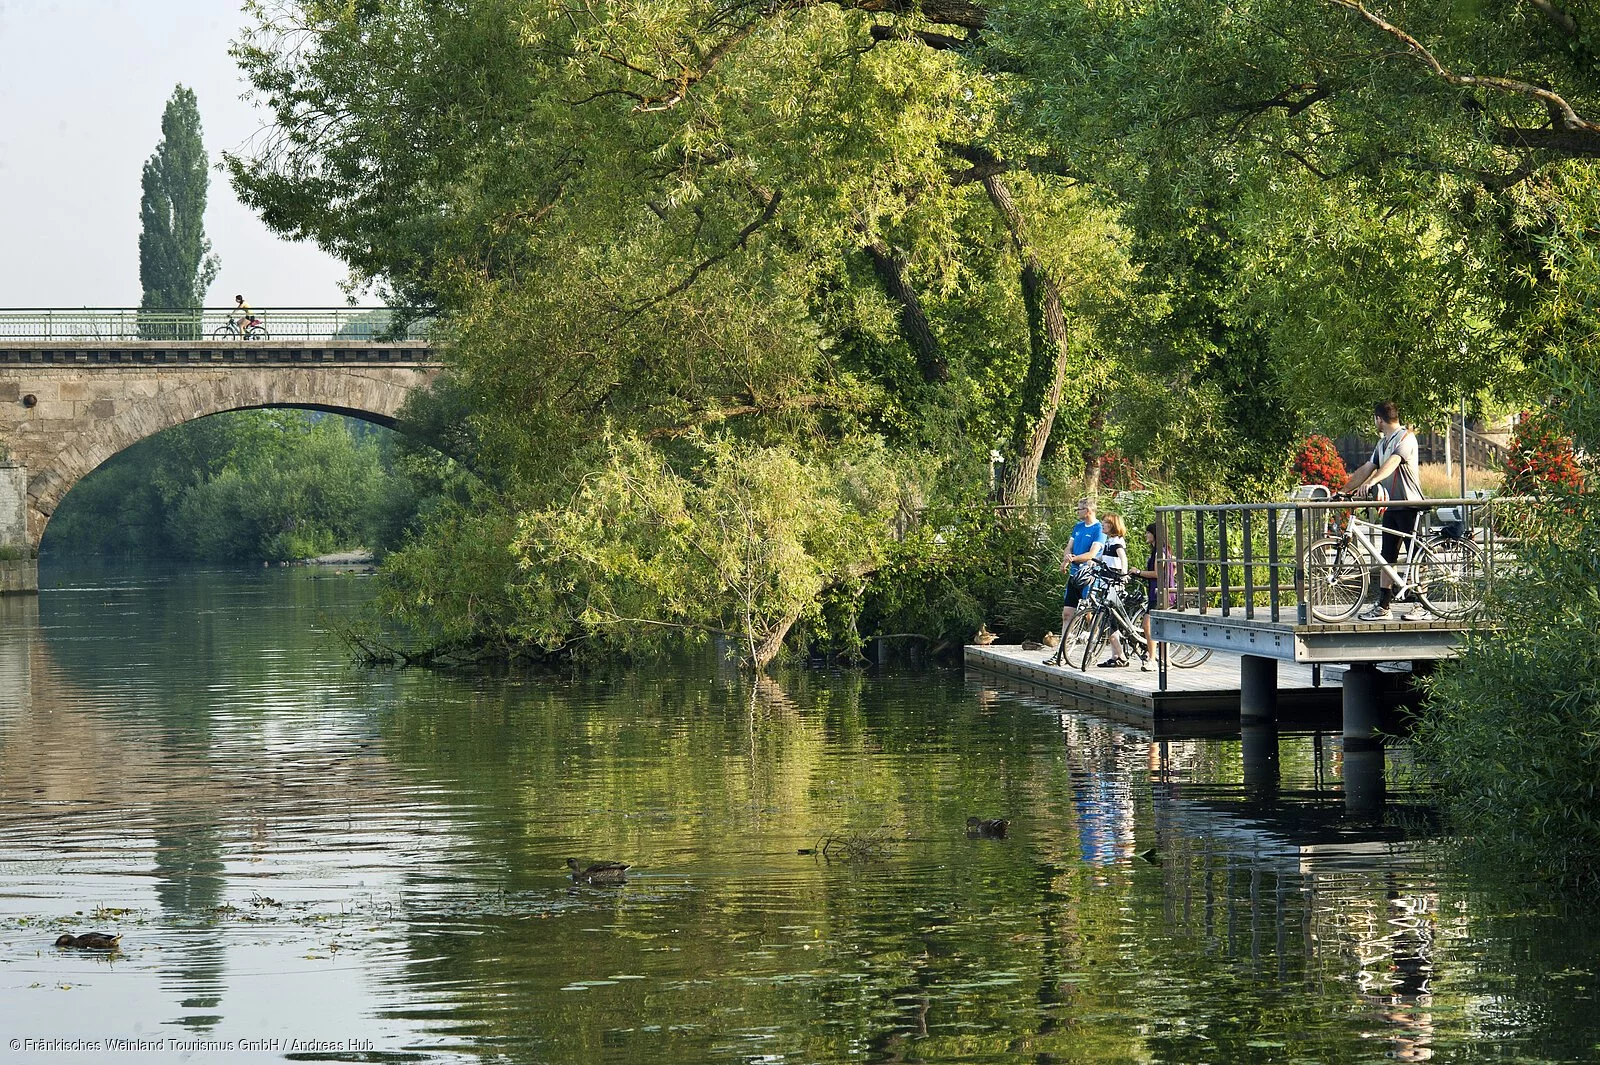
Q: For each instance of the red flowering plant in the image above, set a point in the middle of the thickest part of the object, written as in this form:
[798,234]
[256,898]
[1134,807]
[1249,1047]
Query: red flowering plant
[1117,473]
[1319,462]
[1542,459]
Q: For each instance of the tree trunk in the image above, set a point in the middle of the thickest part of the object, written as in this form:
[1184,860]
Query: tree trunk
[764,652]
[1047,358]
[890,265]
[1094,461]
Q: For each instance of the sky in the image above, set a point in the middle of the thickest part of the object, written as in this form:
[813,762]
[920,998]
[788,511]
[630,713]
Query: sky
[82,87]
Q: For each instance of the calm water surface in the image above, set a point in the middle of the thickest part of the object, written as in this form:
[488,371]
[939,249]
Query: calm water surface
[373,864]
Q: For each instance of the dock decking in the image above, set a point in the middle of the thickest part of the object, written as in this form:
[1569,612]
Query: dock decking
[1207,692]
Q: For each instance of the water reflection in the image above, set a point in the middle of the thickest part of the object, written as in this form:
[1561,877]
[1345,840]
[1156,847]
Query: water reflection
[297,850]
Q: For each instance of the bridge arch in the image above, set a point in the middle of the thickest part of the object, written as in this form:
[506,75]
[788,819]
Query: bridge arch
[131,421]
[60,418]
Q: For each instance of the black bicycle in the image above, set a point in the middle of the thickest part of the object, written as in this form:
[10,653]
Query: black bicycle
[1110,608]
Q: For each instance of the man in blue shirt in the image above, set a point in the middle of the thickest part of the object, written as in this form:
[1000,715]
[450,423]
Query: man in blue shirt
[1088,540]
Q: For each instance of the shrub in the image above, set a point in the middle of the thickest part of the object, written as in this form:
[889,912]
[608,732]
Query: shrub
[961,567]
[1509,733]
[1319,462]
[1542,458]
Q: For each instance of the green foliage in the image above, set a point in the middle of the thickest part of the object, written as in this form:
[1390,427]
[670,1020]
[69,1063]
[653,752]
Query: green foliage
[735,540]
[175,261]
[248,486]
[1511,731]
[1176,233]
[742,545]
[950,574]
[300,499]
[1325,219]
[961,567]
[447,593]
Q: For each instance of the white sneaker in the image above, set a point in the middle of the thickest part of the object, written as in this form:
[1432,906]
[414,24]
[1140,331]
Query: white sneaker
[1374,613]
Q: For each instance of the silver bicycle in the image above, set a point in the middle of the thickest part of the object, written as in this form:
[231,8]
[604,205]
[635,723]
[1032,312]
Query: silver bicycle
[1446,576]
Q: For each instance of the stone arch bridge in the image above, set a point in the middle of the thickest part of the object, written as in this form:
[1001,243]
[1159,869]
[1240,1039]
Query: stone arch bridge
[68,405]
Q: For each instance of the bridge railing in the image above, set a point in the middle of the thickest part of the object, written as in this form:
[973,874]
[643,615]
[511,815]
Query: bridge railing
[100,324]
[1276,561]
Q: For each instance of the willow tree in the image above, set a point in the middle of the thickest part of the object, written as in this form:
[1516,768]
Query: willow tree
[175,261]
[761,224]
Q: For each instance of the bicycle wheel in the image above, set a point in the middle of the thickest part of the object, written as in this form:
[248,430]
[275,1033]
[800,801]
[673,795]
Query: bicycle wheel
[1077,634]
[1099,638]
[1336,579]
[1186,655]
[256,332]
[224,332]
[1450,582]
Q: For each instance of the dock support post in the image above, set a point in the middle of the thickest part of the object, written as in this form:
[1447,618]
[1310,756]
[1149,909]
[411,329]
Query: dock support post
[1258,688]
[1362,704]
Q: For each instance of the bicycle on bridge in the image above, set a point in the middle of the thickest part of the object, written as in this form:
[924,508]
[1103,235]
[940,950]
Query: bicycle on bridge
[1445,575]
[241,329]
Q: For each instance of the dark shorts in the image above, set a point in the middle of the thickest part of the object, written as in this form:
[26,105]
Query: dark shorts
[1401,520]
[1074,592]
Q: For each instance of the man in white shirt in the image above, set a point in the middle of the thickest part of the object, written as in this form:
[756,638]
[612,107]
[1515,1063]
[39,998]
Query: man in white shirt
[1394,465]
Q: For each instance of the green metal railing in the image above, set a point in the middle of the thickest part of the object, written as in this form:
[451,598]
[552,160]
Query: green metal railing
[89,325]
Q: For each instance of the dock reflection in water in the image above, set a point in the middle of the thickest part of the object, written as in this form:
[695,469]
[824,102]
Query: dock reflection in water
[293,849]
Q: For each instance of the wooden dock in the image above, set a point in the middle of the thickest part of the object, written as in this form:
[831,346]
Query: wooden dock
[1202,700]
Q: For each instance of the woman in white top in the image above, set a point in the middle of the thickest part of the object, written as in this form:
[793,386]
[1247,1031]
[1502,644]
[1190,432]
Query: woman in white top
[1114,556]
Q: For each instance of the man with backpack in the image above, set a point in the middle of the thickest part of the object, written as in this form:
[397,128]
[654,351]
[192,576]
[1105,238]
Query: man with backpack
[1393,466]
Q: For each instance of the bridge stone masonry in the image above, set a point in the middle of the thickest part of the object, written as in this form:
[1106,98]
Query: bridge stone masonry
[68,405]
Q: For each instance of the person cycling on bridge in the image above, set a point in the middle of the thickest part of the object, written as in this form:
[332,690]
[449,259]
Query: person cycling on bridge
[247,317]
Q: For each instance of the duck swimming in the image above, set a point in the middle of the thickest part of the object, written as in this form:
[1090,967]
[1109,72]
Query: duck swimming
[90,941]
[599,872]
[987,827]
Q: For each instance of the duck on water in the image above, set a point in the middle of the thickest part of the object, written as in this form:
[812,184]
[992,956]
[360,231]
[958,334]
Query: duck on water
[599,872]
[90,941]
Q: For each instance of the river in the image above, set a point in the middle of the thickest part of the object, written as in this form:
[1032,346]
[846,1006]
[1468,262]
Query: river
[314,862]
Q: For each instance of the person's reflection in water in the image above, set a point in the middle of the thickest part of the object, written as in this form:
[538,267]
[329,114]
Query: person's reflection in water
[1406,1008]
[1103,796]
[189,886]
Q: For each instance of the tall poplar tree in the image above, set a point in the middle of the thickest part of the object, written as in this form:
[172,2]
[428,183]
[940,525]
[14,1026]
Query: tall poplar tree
[175,261]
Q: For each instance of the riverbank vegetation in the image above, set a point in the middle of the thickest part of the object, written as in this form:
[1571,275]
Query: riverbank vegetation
[840,254]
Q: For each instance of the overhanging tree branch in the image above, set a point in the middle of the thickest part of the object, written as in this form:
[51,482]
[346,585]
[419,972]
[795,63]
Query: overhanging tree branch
[890,264]
[1572,134]
[950,12]
[700,419]
[769,210]
[936,41]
